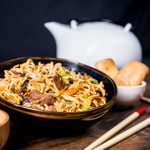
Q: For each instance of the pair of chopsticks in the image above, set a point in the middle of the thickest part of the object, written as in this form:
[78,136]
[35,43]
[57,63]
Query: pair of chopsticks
[99,143]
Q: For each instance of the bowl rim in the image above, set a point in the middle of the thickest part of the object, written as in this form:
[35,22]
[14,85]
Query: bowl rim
[32,110]
[143,84]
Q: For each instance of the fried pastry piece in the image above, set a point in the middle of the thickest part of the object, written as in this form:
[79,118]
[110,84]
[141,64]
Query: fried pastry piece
[131,74]
[107,66]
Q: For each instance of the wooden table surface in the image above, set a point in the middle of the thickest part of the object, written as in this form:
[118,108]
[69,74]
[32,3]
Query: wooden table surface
[79,140]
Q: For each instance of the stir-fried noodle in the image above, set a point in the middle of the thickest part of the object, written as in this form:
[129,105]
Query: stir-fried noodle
[51,87]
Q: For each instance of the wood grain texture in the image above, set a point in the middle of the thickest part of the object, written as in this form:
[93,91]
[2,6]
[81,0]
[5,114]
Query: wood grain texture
[4,128]
[41,139]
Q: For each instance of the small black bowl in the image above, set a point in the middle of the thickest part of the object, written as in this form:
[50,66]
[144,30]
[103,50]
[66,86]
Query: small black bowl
[60,120]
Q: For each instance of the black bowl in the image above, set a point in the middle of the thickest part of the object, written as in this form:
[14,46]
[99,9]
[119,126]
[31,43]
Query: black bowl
[60,119]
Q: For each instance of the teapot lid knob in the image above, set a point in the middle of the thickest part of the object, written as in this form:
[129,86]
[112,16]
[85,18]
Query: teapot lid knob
[74,24]
[128,27]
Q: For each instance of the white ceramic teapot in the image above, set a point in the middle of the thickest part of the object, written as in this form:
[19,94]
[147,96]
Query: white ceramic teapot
[93,41]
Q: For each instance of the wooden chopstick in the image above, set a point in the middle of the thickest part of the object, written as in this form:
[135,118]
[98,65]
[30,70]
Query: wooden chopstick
[124,135]
[116,129]
[145,99]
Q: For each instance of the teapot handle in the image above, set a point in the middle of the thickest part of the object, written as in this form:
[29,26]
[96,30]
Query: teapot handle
[127,27]
[74,24]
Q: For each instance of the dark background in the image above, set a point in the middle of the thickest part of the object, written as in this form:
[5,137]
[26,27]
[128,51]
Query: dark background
[21,22]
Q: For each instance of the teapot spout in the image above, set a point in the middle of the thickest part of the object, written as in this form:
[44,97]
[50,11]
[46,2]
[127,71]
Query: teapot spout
[58,30]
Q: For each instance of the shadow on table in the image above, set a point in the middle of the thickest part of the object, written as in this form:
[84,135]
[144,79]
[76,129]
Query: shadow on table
[25,134]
